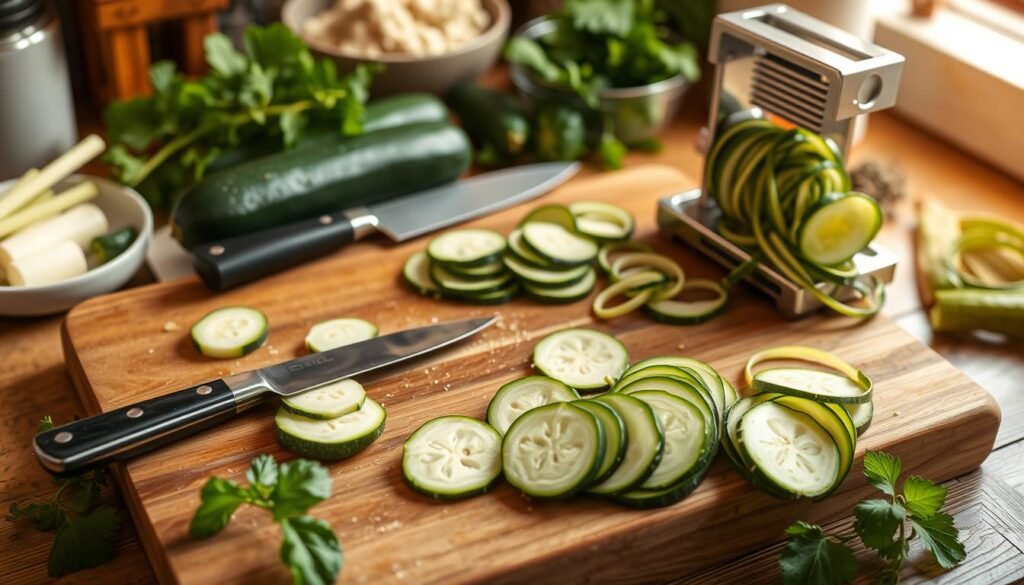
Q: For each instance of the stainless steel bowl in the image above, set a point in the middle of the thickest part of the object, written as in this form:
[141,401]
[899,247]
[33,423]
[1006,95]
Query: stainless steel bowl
[634,114]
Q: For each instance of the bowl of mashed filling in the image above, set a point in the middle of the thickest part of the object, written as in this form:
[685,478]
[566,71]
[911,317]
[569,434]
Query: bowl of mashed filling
[425,45]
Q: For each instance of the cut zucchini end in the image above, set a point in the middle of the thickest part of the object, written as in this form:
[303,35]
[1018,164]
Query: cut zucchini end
[839,227]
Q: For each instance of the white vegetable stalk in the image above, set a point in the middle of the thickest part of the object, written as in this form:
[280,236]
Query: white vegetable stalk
[80,193]
[59,169]
[80,224]
[61,262]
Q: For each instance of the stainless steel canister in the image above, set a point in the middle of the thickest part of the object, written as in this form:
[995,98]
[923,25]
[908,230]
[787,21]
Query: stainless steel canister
[37,115]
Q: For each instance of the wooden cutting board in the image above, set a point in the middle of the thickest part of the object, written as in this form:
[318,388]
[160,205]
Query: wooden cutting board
[134,345]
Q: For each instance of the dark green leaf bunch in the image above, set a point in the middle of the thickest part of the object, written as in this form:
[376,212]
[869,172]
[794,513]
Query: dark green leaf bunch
[85,529]
[309,547]
[885,525]
[163,143]
[599,44]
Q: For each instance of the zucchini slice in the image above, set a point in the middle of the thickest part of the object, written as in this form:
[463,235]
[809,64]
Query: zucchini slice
[519,396]
[467,247]
[644,445]
[452,457]
[416,273]
[494,297]
[643,499]
[553,451]
[517,248]
[230,332]
[615,438]
[790,450]
[812,384]
[564,294]
[712,381]
[327,402]
[688,437]
[582,358]
[861,414]
[678,312]
[482,271]
[690,390]
[556,214]
[539,277]
[558,245]
[448,282]
[336,438]
[602,221]
[841,225]
[338,332]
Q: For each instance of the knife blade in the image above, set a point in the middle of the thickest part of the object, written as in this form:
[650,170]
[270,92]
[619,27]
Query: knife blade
[131,430]
[226,263]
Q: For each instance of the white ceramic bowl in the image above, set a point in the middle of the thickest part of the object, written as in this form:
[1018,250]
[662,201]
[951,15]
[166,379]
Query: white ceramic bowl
[123,207]
[404,73]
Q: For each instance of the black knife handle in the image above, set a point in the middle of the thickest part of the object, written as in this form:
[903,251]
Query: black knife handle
[234,261]
[131,430]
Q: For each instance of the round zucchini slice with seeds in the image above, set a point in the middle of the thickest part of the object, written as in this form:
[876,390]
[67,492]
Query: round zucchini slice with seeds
[336,438]
[452,457]
[582,358]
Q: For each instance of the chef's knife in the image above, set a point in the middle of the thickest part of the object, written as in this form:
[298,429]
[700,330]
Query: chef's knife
[131,430]
[226,263]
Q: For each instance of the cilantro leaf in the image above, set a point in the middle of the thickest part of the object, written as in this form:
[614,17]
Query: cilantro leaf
[939,535]
[311,551]
[84,541]
[882,470]
[301,484]
[877,521]
[812,557]
[262,475]
[924,497]
[276,48]
[220,499]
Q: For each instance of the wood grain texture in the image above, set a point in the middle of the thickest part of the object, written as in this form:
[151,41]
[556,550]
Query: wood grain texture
[924,408]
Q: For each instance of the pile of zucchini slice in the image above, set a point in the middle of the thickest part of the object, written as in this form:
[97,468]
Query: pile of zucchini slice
[549,256]
[336,420]
[643,437]
[797,435]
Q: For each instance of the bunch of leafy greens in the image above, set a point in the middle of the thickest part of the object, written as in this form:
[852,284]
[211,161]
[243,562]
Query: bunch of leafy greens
[885,525]
[162,144]
[85,529]
[597,44]
[309,548]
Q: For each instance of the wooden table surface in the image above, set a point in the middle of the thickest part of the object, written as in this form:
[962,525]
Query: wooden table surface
[988,504]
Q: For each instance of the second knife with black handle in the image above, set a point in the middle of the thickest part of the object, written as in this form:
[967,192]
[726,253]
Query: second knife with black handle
[226,263]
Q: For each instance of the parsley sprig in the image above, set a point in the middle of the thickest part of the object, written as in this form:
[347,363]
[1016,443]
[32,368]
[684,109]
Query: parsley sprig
[84,529]
[309,547]
[885,525]
[163,143]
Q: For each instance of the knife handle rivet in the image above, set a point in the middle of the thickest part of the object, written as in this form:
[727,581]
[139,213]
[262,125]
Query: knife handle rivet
[134,412]
[204,390]
[63,437]
[216,250]
[326,220]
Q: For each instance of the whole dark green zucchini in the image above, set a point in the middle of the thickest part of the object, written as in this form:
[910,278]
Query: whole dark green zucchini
[495,121]
[297,184]
[390,112]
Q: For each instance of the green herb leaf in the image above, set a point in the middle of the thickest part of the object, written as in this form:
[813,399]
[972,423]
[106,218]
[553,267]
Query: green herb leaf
[877,522]
[311,551]
[222,56]
[924,497]
[812,557]
[45,424]
[530,54]
[84,541]
[939,535]
[220,498]
[614,17]
[882,470]
[301,484]
[262,475]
